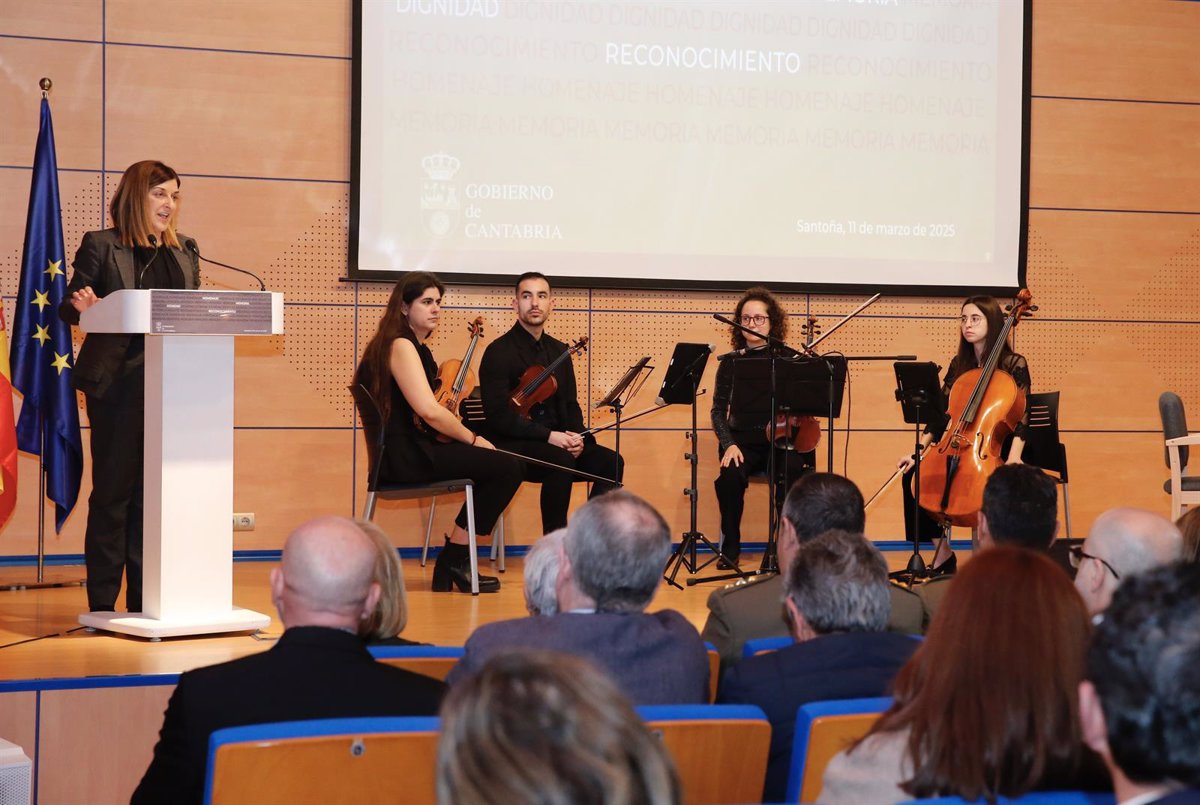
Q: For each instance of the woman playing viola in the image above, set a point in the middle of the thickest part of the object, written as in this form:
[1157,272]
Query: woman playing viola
[398,369]
[980,324]
[744,445]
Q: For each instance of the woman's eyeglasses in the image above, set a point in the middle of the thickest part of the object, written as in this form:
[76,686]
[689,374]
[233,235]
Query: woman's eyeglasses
[754,321]
[1077,555]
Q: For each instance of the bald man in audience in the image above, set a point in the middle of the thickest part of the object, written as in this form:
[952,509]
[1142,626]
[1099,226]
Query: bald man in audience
[1122,542]
[323,589]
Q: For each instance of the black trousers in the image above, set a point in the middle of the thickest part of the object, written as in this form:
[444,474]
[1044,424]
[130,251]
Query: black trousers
[924,526]
[731,486]
[556,486]
[112,545]
[497,478]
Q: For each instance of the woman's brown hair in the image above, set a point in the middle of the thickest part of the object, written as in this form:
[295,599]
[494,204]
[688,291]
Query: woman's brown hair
[130,207]
[542,728]
[990,697]
[774,313]
[374,370]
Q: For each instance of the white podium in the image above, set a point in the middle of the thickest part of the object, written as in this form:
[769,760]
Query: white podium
[187,552]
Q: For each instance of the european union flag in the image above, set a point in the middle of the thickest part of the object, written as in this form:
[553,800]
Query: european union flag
[41,352]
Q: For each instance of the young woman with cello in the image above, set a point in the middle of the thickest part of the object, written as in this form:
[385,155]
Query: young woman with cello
[744,445]
[980,326]
[398,369]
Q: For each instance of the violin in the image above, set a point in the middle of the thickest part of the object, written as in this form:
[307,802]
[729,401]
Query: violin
[986,405]
[537,383]
[797,432]
[454,377]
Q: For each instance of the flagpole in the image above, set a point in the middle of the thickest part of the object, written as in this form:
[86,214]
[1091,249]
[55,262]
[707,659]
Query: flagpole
[40,583]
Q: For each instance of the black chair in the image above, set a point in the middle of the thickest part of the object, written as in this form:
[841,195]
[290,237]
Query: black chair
[1043,447]
[372,424]
[1184,489]
[471,411]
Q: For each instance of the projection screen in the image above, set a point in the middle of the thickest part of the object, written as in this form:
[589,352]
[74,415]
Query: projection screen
[802,144]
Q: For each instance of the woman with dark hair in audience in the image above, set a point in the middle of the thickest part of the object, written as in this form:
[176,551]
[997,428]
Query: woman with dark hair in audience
[398,369]
[988,705]
[743,444]
[980,324]
[1189,526]
[541,728]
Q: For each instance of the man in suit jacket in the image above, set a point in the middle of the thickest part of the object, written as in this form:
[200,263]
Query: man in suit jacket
[1020,507]
[612,558]
[837,601]
[320,668]
[753,609]
[1139,706]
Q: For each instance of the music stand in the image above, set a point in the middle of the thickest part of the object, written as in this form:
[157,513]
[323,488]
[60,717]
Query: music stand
[919,391]
[626,383]
[681,385]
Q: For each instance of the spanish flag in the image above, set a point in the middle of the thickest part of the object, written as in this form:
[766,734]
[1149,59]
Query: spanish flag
[8,432]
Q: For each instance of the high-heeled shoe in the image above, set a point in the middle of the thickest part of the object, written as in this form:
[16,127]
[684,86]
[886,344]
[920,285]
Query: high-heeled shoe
[453,569]
[946,568]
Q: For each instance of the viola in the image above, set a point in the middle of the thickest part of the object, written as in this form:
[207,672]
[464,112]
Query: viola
[455,377]
[986,405]
[537,383]
[795,431]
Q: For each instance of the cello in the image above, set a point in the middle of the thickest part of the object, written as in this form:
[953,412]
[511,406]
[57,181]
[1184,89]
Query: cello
[956,469]
[537,383]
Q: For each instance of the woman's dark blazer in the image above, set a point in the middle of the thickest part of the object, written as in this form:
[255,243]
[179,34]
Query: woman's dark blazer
[106,265]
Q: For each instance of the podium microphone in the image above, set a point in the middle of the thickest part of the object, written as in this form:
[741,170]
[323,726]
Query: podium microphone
[191,244]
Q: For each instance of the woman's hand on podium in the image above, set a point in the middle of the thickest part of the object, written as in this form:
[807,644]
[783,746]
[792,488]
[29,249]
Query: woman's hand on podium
[84,298]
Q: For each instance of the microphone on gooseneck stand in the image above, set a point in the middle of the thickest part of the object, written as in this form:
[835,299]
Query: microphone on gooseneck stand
[737,353]
[191,244]
[142,274]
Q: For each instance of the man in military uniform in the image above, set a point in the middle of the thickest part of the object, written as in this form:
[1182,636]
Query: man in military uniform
[748,610]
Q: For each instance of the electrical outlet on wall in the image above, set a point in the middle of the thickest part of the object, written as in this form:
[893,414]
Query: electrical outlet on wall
[243,521]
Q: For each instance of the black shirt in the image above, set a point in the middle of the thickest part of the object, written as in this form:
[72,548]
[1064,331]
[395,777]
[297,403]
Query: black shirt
[499,372]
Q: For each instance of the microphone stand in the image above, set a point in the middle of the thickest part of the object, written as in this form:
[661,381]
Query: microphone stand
[775,348]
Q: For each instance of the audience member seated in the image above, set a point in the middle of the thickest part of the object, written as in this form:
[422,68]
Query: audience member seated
[611,563]
[320,668]
[1122,542]
[748,610]
[390,615]
[1020,507]
[541,573]
[987,706]
[545,728]
[837,601]
[1189,526]
[1140,703]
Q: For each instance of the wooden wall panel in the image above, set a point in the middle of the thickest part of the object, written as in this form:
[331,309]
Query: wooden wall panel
[286,476]
[292,234]
[18,721]
[114,758]
[228,114]
[63,19]
[75,100]
[1117,49]
[311,28]
[1115,156]
[263,141]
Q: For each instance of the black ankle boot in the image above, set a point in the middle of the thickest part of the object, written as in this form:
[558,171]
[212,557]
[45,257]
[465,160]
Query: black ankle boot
[453,569]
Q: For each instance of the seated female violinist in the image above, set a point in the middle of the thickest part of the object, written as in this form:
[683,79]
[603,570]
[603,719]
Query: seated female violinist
[743,445]
[398,369]
[980,325]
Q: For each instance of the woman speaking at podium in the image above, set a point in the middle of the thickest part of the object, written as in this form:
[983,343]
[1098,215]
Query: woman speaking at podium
[141,250]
